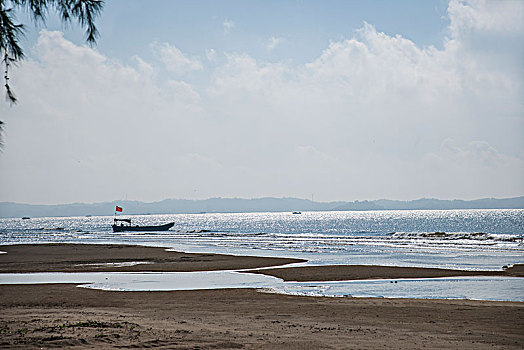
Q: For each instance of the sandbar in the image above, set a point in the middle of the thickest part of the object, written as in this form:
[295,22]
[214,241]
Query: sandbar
[63,257]
[363,272]
[65,316]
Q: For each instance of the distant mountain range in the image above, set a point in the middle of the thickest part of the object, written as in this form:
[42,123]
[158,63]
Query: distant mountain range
[235,205]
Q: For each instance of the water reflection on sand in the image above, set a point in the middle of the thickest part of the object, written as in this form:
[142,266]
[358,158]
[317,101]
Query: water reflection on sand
[478,288]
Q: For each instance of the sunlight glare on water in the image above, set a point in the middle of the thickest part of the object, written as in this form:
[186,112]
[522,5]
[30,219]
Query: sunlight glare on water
[471,239]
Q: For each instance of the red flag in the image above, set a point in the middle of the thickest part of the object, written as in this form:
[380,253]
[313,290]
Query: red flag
[118,208]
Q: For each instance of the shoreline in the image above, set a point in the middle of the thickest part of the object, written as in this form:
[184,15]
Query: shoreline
[63,315]
[67,257]
[376,272]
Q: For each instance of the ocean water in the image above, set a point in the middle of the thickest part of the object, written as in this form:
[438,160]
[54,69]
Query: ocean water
[461,239]
[476,288]
[467,239]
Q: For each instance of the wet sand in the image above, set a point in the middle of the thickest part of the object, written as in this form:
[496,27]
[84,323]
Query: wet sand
[63,315]
[43,316]
[106,258]
[362,272]
[102,258]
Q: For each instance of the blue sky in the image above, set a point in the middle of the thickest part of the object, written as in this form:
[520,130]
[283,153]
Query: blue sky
[346,100]
[129,27]
[307,26]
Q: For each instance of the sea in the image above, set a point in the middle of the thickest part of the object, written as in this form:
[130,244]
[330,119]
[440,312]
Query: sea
[457,239]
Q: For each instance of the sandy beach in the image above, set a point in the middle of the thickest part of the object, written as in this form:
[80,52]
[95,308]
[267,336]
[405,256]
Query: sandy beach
[105,258]
[62,315]
[362,272]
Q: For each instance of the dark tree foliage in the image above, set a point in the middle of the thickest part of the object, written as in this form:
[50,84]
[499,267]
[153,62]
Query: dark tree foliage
[1,130]
[82,11]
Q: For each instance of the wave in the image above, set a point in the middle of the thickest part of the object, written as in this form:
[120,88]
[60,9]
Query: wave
[475,236]
[369,237]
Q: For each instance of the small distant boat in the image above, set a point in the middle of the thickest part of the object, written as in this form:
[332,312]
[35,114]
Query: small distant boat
[122,225]
[26,218]
[297,212]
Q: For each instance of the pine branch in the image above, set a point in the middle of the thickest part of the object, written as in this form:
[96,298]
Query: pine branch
[1,132]
[37,8]
[10,50]
[10,95]
[84,11]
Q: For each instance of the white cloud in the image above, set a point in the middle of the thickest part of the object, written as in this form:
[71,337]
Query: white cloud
[486,15]
[372,116]
[87,128]
[211,54]
[273,43]
[474,167]
[175,61]
[229,25]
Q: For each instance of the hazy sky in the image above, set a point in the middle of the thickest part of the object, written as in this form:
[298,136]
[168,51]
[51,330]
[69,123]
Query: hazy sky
[343,100]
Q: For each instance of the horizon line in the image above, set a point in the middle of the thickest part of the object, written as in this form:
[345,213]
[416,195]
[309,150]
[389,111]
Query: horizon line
[267,197]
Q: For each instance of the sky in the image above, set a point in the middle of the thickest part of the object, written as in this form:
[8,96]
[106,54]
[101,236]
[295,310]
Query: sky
[330,100]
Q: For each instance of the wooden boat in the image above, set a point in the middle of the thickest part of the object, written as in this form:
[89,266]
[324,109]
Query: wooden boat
[125,225]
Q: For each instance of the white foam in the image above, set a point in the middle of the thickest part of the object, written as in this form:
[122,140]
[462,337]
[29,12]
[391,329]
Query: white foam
[120,264]
[146,281]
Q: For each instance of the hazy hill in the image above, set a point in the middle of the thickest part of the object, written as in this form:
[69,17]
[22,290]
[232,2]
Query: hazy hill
[231,205]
